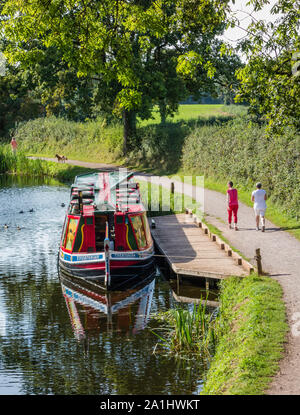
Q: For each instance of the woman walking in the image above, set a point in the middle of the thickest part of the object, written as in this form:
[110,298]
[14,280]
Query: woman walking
[14,145]
[232,205]
[259,197]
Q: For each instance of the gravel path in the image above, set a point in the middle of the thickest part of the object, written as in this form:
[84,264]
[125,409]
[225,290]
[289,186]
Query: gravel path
[280,257]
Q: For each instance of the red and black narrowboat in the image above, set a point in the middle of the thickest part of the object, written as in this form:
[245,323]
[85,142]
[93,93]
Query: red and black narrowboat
[106,235]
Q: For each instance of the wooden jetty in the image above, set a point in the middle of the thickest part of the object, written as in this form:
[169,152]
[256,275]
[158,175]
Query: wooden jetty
[192,294]
[188,300]
[192,250]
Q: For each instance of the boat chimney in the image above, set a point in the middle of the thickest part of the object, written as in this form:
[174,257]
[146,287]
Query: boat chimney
[80,201]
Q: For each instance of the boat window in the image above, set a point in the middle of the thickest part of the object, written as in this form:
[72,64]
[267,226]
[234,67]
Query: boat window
[119,219]
[147,228]
[71,233]
[89,220]
[139,231]
[63,235]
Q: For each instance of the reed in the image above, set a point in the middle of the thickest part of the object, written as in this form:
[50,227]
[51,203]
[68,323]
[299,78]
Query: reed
[187,332]
[21,165]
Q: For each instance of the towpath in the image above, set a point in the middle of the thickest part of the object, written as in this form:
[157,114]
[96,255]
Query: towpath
[280,253]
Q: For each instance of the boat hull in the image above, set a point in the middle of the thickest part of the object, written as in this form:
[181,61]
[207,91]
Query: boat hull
[122,269]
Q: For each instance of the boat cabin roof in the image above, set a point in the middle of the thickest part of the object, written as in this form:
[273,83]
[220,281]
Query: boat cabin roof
[113,191]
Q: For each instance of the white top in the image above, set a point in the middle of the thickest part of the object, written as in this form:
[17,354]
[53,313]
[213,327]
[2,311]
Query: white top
[259,199]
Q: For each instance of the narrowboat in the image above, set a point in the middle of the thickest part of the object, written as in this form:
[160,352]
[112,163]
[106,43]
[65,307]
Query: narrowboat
[106,234]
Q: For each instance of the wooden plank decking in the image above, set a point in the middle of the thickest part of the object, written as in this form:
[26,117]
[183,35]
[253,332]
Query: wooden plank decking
[190,251]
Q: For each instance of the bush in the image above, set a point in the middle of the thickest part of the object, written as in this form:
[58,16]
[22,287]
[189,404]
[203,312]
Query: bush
[52,135]
[159,146]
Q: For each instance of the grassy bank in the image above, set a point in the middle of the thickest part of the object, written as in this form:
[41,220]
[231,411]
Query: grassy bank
[250,337]
[241,346]
[20,165]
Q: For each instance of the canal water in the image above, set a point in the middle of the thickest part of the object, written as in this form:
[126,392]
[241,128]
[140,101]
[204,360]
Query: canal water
[57,337]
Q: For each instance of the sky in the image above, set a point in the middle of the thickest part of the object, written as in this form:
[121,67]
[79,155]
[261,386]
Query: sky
[241,9]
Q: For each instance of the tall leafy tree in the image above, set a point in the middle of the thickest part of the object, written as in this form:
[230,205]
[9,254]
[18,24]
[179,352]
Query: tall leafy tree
[270,81]
[46,87]
[212,71]
[17,97]
[57,86]
[123,44]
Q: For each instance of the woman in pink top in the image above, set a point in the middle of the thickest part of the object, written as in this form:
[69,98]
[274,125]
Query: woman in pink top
[232,205]
[14,145]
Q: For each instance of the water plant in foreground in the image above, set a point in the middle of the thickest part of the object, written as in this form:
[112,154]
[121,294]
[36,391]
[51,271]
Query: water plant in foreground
[187,332]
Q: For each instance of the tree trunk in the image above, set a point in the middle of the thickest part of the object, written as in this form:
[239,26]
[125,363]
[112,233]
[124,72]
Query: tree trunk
[129,128]
[163,112]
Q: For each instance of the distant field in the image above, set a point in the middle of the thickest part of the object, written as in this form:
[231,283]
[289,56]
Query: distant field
[194,111]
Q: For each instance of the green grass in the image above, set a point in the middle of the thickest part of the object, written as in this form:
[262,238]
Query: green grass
[189,112]
[250,337]
[96,141]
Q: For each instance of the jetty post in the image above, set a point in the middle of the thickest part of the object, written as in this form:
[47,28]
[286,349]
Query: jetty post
[172,191]
[258,261]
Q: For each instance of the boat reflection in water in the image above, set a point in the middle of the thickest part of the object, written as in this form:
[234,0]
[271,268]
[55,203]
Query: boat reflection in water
[93,310]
